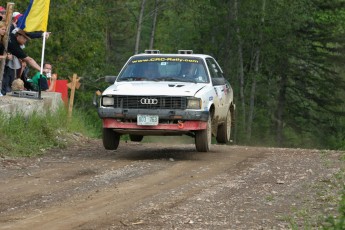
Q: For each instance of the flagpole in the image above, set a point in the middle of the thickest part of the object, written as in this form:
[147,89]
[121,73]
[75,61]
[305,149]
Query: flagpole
[42,63]
[35,18]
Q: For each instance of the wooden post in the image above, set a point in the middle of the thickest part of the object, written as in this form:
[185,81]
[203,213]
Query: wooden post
[54,76]
[9,11]
[73,85]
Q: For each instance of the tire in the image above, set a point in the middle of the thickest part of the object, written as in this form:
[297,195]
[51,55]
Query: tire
[203,138]
[224,130]
[136,138]
[111,139]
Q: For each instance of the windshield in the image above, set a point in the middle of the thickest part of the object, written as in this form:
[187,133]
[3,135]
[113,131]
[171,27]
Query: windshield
[164,69]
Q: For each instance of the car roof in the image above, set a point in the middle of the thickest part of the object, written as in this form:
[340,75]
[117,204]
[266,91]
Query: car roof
[203,56]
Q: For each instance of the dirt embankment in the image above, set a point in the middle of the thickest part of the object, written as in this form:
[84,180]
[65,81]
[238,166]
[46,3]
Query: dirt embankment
[169,186]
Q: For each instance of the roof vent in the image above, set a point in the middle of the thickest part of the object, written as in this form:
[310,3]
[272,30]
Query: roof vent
[152,51]
[185,51]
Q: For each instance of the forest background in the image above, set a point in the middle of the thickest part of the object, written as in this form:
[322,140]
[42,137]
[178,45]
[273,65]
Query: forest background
[285,59]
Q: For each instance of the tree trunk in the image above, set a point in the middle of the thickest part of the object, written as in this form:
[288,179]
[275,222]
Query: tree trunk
[252,96]
[280,110]
[255,75]
[240,67]
[107,44]
[153,29]
[140,20]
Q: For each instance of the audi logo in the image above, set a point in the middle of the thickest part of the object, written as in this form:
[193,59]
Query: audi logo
[149,101]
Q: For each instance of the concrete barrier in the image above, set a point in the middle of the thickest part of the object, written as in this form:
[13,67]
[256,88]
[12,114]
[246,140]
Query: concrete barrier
[50,101]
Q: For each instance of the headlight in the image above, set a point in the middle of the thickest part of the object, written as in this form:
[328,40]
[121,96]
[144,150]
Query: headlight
[194,103]
[107,101]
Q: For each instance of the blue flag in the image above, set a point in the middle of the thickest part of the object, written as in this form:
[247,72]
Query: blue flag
[35,17]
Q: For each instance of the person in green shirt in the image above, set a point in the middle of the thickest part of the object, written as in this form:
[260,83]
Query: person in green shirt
[47,70]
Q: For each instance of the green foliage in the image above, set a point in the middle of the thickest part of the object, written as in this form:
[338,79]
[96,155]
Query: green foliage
[190,25]
[302,41]
[337,222]
[32,135]
[86,122]
[303,51]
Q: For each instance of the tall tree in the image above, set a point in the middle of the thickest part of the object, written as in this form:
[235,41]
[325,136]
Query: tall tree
[240,66]
[257,54]
[154,22]
[287,74]
[140,21]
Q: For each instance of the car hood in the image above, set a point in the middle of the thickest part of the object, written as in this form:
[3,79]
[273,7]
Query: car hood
[154,88]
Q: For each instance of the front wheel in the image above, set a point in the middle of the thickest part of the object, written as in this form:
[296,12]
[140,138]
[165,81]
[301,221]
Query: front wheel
[111,139]
[224,130]
[203,138]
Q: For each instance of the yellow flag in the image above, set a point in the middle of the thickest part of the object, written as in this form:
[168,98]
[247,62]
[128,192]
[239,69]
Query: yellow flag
[35,17]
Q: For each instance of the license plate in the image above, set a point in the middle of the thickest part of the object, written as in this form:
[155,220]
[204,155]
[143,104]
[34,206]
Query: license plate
[147,119]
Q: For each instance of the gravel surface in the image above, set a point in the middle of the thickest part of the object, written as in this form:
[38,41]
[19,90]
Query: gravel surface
[170,186]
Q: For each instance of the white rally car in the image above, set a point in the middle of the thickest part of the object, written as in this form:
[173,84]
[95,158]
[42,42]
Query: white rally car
[168,94]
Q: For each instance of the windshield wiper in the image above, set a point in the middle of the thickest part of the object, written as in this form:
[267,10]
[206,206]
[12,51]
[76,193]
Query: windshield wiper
[133,79]
[167,79]
[189,80]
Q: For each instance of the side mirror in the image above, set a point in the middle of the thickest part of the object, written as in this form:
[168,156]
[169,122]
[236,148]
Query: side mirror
[218,81]
[110,79]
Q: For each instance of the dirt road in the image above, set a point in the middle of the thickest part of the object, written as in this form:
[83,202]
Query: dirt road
[170,186]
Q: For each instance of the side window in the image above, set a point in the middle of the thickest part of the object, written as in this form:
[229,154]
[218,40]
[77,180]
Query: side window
[214,68]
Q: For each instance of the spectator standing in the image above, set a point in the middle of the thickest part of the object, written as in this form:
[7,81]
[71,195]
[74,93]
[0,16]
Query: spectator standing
[2,13]
[14,47]
[2,34]
[2,46]
[15,17]
[3,54]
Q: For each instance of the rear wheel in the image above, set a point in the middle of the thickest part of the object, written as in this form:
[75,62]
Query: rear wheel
[136,138]
[203,138]
[111,139]
[224,130]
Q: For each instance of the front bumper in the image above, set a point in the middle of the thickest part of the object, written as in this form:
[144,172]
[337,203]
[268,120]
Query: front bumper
[160,129]
[171,122]
[165,115]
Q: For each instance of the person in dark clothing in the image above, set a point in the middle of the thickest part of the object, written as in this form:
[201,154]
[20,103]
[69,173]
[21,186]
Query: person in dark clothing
[14,47]
[15,17]
[2,34]
[3,55]
[2,13]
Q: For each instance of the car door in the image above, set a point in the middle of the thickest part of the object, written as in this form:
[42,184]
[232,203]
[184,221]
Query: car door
[221,87]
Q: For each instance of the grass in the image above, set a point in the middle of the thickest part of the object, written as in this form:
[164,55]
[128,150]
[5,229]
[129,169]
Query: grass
[337,222]
[270,198]
[32,135]
[330,193]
